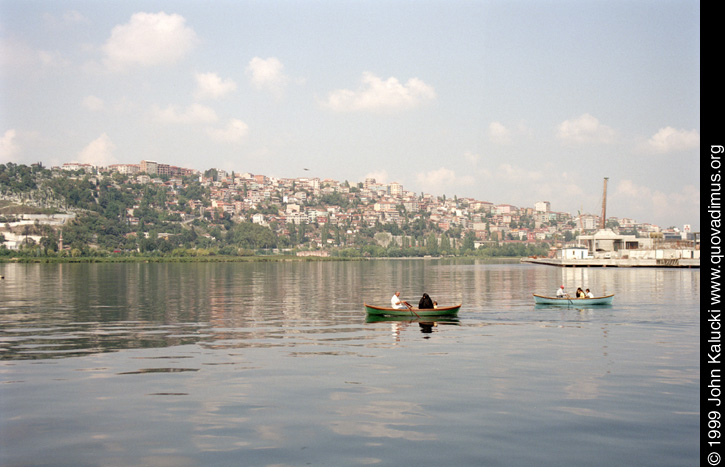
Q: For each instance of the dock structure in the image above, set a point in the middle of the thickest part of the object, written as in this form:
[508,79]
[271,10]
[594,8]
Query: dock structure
[616,262]
[606,248]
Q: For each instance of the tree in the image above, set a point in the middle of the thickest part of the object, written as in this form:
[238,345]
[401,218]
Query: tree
[49,244]
[301,234]
[325,235]
[468,242]
[211,173]
[251,236]
[431,244]
[445,245]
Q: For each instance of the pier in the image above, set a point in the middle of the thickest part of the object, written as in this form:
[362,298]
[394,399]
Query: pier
[670,262]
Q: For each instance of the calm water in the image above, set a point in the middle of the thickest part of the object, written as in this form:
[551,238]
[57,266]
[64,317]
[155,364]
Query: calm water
[274,364]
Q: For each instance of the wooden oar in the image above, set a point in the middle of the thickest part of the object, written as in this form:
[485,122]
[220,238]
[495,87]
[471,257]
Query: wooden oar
[410,307]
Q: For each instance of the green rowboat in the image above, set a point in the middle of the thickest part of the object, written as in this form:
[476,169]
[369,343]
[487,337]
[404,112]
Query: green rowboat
[415,312]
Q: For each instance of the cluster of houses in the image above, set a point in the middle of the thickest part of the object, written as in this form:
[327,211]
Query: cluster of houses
[329,202]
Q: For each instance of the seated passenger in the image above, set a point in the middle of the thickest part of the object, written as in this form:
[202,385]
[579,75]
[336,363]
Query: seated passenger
[425,302]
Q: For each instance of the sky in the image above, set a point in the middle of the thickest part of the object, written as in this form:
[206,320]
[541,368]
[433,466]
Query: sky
[510,102]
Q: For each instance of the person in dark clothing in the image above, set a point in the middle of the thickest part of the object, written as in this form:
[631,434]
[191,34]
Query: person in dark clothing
[425,302]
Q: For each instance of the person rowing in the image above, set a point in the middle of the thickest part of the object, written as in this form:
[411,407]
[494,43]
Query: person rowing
[401,304]
[398,303]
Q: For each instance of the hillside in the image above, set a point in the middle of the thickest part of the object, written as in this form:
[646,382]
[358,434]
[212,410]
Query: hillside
[47,212]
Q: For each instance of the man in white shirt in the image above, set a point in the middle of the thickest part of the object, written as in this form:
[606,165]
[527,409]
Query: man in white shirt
[397,303]
[561,293]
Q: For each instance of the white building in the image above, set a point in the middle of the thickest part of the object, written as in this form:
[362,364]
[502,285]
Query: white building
[573,252]
[542,206]
[606,241]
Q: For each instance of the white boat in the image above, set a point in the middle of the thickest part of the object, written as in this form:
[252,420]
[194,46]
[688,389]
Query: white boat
[568,301]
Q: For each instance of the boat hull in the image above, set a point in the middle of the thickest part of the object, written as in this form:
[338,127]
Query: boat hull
[415,312]
[544,300]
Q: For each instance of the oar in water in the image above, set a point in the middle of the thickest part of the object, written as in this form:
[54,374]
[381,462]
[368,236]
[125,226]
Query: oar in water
[410,307]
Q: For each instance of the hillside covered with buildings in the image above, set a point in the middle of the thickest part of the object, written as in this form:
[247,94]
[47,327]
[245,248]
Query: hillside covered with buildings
[157,209]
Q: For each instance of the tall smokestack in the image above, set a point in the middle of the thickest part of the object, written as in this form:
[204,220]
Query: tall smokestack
[603,221]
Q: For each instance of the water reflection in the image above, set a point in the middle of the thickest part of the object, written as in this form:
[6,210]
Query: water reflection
[426,325]
[278,364]
[383,419]
[55,311]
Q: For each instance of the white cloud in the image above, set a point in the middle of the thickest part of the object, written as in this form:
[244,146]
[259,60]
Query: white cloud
[628,189]
[52,59]
[442,180]
[16,55]
[69,18]
[381,176]
[267,75]
[522,184]
[93,103]
[585,129]
[98,152]
[498,133]
[210,85]
[8,146]
[471,157]
[670,139]
[656,206]
[376,94]
[195,113]
[518,174]
[74,17]
[148,39]
[234,132]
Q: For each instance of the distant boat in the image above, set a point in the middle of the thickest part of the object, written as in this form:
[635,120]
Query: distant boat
[389,311]
[544,300]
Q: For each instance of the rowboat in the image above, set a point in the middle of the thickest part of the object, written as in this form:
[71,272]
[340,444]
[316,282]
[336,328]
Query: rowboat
[389,311]
[544,300]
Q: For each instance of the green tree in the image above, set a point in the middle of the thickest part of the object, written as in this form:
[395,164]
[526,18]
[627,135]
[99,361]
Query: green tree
[469,244]
[251,236]
[212,173]
[431,244]
[445,245]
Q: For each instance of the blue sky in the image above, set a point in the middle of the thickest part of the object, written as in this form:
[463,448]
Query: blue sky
[503,101]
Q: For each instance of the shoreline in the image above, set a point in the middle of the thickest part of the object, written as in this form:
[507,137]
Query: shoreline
[232,259]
